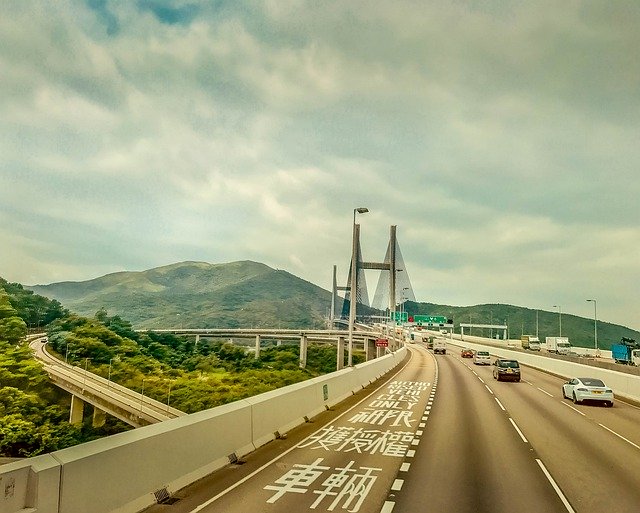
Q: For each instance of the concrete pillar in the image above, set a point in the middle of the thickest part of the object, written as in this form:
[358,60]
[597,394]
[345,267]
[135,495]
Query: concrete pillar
[303,351]
[504,336]
[340,354]
[77,410]
[197,340]
[369,349]
[99,417]
[257,346]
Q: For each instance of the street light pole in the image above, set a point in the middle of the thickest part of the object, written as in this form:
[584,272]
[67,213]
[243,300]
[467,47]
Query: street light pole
[109,380]
[353,285]
[559,317]
[595,322]
[141,396]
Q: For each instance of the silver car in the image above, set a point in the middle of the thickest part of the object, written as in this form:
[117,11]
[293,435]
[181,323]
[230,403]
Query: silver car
[587,389]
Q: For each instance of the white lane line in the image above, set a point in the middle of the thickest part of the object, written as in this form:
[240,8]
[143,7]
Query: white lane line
[419,432]
[481,379]
[544,392]
[405,467]
[411,453]
[619,436]
[387,507]
[500,404]
[490,391]
[556,487]
[415,441]
[422,424]
[518,430]
[474,372]
[574,409]
[397,485]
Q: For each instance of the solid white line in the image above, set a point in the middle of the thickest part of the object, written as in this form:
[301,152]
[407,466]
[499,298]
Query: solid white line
[544,392]
[518,430]
[405,467]
[619,436]
[488,389]
[387,507]
[500,404]
[556,487]
[397,485]
[269,463]
[574,409]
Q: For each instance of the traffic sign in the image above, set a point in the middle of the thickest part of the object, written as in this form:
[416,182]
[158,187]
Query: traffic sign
[382,342]
[400,316]
[433,319]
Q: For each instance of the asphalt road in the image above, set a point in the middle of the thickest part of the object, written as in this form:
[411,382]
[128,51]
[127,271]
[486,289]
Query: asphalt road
[440,435]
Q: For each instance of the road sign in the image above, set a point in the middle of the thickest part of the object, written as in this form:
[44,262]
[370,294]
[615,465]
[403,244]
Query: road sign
[400,316]
[382,342]
[433,319]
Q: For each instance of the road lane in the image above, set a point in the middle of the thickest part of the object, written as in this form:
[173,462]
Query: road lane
[350,463]
[472,457]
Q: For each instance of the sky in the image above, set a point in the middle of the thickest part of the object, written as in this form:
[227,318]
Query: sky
[502,138]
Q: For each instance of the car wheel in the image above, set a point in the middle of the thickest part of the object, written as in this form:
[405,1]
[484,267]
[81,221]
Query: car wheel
[575,399]
[609,404]
[498,377]
[564,396]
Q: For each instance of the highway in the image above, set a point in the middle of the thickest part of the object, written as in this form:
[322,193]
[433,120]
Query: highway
[440,435]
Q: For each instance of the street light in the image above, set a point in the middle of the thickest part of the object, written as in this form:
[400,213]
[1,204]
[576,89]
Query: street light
[595,321]
[109,379]
[353,284]
[559,317]
[141,396]
[84,379]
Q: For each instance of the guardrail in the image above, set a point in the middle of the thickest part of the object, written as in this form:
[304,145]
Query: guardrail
[157,460]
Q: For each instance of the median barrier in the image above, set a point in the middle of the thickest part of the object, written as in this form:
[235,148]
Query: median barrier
[127,472]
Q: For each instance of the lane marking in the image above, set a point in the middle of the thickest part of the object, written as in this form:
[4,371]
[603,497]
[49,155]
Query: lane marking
[405,467]
[619,436]
[518,430]
[422,424]
[481,379]
[419,432]
[411,453]
[246,478]
[397,485]
[555,487]
[544,392]
[474,372]
[500,404]
[574,409]
[415,441]
[387,507]
[488,389]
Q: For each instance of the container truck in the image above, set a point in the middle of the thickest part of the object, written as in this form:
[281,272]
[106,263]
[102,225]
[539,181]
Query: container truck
[530,342]
[558,345]
[439,346]
[627,352]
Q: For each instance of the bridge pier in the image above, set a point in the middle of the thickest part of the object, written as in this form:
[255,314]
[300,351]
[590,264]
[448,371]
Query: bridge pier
[257,346]
[340,354]
[77,410]
[197,340]
[303,351]
[99,417]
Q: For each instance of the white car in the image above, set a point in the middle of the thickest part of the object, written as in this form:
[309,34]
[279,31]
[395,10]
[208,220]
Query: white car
[587,389]
[481,358]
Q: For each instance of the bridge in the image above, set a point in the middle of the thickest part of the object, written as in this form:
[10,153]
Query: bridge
[416,431]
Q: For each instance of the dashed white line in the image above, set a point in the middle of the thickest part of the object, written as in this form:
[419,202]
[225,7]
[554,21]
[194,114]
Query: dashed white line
[518,430]
[418,432]
[500,404]
[482,380]
[574,409]
[415,441]
[555,487]
[387,507]
[422,424]
[619,436]
[397,485]
[411,453]
[490,391]
[544,392]
[405,467]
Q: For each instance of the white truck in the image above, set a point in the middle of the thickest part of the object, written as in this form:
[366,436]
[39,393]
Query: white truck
[530,342]
[558,345]
[439,346]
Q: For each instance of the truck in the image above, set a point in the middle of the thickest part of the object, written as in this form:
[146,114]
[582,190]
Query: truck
[558,345]
[439,346]
[627,352]
[530,342]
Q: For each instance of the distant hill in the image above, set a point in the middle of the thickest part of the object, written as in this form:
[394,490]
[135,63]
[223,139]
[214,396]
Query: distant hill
[249,294]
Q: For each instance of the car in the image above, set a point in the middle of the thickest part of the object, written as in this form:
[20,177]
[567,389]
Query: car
[481,358]
[466,353]
[587,389]
[504,369]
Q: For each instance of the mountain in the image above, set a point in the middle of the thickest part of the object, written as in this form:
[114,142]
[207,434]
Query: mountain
[199,294]
[250,294]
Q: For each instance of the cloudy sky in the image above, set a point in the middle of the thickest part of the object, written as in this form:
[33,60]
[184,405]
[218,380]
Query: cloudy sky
[501,137]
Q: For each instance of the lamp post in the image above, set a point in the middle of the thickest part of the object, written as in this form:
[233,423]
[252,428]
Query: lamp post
[559,317]
[353,285]
[109,379]
[595,322]
[141,396]
[84,378]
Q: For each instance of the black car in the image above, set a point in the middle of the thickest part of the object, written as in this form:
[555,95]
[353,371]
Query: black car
[506,370]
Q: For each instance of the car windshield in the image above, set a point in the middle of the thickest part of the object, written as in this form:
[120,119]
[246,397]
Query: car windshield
[509,363]
[483,353]
[592,382]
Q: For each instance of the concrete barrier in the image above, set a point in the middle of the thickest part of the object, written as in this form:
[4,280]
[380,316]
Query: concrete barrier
[127,472]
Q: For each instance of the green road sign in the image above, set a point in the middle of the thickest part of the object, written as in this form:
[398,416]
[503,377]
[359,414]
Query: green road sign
[400,316]
[433,319]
